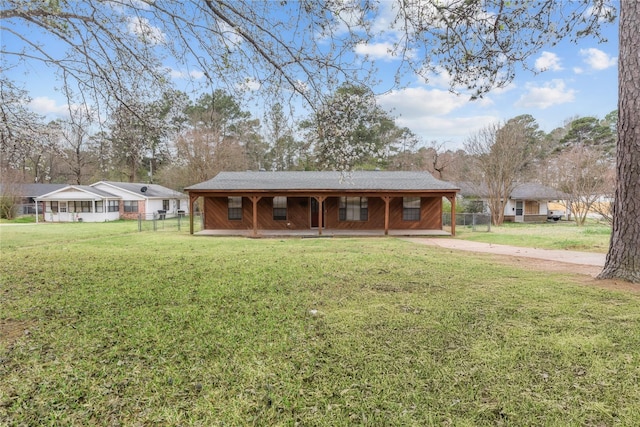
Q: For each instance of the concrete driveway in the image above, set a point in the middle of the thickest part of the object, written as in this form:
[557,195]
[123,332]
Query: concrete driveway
[570,257]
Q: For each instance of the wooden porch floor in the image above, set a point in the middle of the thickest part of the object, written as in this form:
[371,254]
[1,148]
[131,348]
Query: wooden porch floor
[325,233]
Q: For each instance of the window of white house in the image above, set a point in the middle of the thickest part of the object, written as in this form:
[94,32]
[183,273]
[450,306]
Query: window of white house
[99,206]
[165,205]
[279,208]
[411,208]
[353,209]
[235,208]
[54,207]
[130,205]
[113,206]
[80,206]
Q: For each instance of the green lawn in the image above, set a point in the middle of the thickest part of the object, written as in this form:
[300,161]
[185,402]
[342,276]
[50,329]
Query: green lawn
[593,237]
[128,328]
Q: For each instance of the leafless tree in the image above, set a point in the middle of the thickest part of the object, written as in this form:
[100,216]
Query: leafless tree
[583,175]
[19,130]
[438,160]
[604,205]
[499,153]
[75,145]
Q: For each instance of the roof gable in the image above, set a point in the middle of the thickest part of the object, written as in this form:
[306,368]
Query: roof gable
[78,192]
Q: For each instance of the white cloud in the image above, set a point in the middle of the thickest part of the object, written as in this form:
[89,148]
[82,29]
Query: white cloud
[250,84]
[47,106]
[411,102]
[180,75]
[229,34]
[426,113]
[440,78]
[597,59]
[454,131]
[548,61]
[385,51]
[196,74]
[551,93]
[142,28]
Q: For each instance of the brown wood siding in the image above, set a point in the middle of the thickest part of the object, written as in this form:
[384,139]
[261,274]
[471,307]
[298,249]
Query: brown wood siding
[217,217]
[375,215]
[430,215]
[531,207]
[217,214]
[299,215]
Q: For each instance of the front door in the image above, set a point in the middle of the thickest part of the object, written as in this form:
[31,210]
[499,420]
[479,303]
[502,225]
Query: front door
[314,213]
[519,211]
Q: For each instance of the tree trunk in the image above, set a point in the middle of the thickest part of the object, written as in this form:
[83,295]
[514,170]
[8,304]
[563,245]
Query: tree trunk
[623,259]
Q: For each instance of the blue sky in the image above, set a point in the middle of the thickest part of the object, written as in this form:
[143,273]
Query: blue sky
[578,80]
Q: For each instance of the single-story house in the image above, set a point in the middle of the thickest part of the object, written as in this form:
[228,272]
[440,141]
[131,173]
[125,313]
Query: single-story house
[108,201]
[263,202]
[528,202]
[146,199]
[27,193]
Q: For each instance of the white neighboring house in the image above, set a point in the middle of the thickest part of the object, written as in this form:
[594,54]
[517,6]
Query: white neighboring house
[148,200]
[528,202]
[80,203]
[109,201]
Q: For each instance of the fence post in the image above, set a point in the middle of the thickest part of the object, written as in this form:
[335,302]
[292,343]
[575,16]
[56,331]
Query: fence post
[139,222]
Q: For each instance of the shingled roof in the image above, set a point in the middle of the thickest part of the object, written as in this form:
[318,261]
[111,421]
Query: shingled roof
[146,190]
[332,181]
[522,191]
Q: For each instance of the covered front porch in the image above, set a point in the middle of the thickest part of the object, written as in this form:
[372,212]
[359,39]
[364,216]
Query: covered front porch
[367,203]
[335,214]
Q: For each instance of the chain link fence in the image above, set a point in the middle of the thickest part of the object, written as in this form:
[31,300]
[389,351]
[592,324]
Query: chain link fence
[173,223]
[473,221]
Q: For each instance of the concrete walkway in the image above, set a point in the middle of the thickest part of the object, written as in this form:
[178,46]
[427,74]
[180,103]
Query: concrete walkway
[571,257]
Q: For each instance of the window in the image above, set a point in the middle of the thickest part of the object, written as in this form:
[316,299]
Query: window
[113,206]
[165,205]
[353,209]
[54,207]
[80,206]
[411,208]
[235,208]
[279,208]
[130,205]
[99,206]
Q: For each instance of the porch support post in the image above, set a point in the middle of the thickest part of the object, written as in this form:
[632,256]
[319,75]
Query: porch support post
[320,200]
[192,199]
[386,199]
[255,200]
[452,199]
